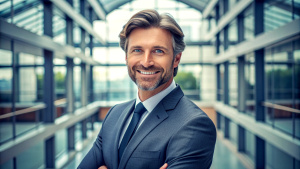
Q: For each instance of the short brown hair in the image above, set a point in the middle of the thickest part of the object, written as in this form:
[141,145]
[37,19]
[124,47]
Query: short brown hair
[150,18]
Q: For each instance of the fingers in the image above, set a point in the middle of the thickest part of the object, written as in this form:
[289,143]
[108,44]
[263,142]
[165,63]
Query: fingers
[102,167]
[164,166]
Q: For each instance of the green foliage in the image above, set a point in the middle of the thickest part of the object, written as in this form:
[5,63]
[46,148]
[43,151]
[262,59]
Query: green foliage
[59,80]
[186,80]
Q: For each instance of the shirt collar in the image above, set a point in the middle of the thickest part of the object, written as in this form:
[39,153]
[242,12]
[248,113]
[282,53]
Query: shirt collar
[151,102]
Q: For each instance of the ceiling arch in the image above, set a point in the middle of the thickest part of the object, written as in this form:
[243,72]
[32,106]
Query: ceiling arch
[110,5]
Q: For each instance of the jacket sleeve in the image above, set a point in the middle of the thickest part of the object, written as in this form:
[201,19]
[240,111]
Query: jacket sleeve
[94,158]
[193,145]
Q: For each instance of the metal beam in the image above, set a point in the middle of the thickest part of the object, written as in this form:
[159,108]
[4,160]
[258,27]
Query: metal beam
[42,41]
[100,12]
[194,4]
[228,17]
[209,8]
[262,130]
[261,41]
[82,22]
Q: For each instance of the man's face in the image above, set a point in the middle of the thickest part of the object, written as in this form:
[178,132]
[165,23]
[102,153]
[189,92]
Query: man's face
[149,58]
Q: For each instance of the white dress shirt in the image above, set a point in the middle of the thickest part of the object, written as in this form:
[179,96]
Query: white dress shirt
[149,104]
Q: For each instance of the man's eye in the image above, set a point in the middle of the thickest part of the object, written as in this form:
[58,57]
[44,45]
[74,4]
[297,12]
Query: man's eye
[158,51]
[136,50]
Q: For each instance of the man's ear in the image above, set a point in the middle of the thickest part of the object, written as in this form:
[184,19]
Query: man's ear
[126,59]
[177,59]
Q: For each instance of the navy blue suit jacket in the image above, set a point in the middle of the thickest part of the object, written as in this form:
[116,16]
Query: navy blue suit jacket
[176,132]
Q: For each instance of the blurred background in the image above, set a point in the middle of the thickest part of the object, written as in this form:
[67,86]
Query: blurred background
[61,69]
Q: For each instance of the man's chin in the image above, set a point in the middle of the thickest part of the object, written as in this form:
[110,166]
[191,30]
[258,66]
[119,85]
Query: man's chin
[147,87]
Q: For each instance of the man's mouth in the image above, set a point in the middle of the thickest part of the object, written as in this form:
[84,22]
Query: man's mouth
[147,73]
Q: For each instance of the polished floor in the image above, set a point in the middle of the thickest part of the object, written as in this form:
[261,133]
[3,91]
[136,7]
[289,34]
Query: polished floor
[224,158]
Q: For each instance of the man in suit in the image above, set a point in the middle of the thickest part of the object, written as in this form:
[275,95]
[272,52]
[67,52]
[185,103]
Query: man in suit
[161,127]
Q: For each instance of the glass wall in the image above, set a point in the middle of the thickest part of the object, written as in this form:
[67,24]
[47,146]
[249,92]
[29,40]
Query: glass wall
[277,13]
[282,78]
[233,83]
[248,23]
[250,83]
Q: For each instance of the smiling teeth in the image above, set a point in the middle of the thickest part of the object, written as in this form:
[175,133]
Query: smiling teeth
[147,73]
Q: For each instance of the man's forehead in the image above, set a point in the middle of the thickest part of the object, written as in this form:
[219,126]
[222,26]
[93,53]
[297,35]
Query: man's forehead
[153,36]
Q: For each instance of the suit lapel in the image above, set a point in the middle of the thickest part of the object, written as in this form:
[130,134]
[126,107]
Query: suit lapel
[157,116]
[117,130]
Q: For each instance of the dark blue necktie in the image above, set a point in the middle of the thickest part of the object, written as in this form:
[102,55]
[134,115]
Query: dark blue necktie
[138,111]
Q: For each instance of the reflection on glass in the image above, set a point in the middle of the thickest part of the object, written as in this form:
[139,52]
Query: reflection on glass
[221,85]
[232,34]
[77,85]
[282,85]
[277,13]
[60,89]
[188,77]
[250,83]
[248,23]
[275,158]
[250,145]
[233,82]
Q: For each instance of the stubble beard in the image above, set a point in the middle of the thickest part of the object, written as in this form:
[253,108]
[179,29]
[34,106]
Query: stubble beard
[142,83]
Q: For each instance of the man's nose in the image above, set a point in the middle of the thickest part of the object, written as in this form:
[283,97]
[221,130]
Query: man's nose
[147,60]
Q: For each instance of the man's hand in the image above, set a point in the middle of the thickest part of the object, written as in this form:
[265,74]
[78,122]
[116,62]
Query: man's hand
[162,167]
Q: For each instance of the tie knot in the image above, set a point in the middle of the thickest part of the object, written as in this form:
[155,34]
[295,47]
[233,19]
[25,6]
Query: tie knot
[140,109]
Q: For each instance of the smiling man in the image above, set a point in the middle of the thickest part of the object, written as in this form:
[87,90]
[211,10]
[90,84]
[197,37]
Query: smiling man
[161,128]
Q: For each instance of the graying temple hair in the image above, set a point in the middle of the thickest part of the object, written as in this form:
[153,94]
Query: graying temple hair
[150,18]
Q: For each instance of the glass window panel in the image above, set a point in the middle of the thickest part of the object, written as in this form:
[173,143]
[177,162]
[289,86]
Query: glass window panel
[250,145]
[276,158]
[191,54]
[6,76]
[99,54]
[233,132]
[233,83]
[296,9]
[248,23]
[25,159]
[115,55]
[140,4]
[250,83]
[25,122]
[120,84]
[77,85]
[100,83]
[188,78]
[277,13]
[167,3]
[188,14]
[28,84]
[31,18]
[59,27]
[232,34]
[191,30]
[221,89]
[5,57]
[208,83]
[221,37]
[6,124]
[60,89]
[60,142]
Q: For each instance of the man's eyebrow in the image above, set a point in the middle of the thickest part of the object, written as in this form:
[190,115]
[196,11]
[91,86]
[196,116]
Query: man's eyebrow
[161,47]
[134,47]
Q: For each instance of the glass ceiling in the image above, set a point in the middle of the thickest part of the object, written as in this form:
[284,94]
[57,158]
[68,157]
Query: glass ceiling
[110,5]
